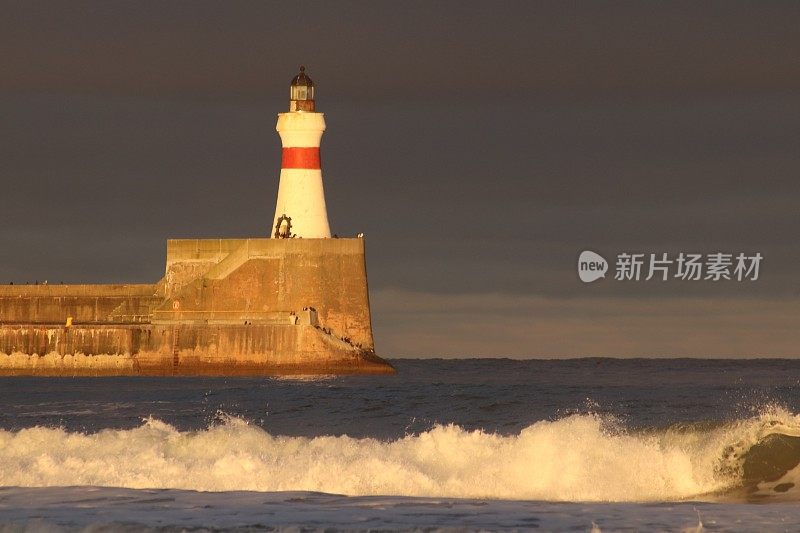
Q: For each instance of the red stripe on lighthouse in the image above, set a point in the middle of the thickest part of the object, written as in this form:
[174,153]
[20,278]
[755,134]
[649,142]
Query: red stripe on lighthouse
[301,158]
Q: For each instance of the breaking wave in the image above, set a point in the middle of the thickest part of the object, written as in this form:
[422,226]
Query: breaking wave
[577,458]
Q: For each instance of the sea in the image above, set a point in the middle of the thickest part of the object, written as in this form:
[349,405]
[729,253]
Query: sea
[589,445]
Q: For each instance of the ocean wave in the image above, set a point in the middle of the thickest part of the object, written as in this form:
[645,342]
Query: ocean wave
[576,458]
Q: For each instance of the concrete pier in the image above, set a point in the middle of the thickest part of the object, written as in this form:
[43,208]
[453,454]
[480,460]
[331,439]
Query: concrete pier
[224,307]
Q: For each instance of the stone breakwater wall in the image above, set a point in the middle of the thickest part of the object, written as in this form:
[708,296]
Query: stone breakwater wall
[224,307]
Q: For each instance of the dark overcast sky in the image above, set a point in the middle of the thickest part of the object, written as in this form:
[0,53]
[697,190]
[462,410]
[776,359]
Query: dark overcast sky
[479,145]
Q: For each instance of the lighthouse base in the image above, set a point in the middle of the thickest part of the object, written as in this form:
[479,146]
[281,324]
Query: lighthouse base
[226,307]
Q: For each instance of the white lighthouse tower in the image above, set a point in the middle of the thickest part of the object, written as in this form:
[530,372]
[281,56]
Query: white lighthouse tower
[301,211]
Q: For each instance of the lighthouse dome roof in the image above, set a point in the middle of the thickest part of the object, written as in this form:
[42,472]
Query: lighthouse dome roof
[302,79]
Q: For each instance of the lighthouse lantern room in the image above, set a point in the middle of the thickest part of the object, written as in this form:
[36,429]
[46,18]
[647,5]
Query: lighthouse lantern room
[301,92]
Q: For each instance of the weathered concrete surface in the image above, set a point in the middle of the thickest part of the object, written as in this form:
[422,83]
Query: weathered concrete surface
[190,259]
[32,304]
[224,307]
[179,351]
[276,275]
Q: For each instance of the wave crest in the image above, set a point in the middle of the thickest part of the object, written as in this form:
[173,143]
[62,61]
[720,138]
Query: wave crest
[577,458]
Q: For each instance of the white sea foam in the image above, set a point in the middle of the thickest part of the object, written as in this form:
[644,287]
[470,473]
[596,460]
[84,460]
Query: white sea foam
[577,458]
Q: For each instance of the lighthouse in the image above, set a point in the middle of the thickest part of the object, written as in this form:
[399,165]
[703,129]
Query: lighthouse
[225,307]
[300,210]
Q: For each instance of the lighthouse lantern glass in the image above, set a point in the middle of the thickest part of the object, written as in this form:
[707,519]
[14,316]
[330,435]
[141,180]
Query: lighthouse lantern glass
[302,92]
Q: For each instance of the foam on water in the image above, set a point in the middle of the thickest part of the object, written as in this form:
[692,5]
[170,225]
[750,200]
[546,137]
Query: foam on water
[577,458]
